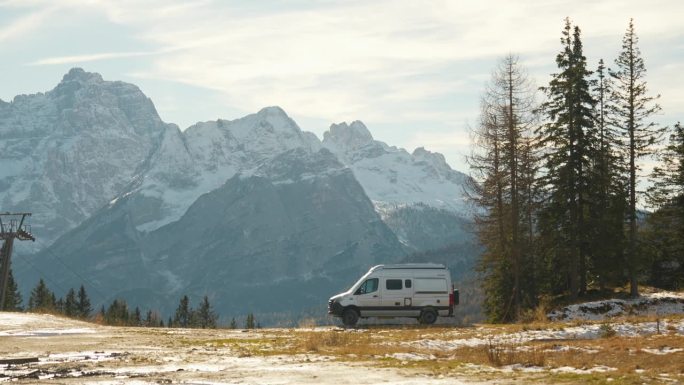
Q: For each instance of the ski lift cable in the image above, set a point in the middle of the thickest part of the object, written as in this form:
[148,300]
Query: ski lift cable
[47,278]
[83,279]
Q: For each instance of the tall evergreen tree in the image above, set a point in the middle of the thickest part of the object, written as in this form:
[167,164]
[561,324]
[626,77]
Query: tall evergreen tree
[182,317]
[117,313]
[71,304]
[633,108]
[13,297]
[665,236]
[567,139]
[607,201]
[59,305]
[135,318]
[41,299]
[233,324]
[205,314]
[250,321]
[84,307]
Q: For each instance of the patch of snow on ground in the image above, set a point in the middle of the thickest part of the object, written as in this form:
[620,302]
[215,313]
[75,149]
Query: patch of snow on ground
[45,332]
[410,356]
[580,332]
[595,369]
[662,351]
[40,325]
[660,304]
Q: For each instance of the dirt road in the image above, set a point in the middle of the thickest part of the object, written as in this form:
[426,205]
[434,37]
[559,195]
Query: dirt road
[73,352]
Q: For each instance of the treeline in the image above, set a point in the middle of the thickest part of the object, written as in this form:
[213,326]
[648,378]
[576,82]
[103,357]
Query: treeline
[558,182]
[42,299]
[77,305]
[118,313]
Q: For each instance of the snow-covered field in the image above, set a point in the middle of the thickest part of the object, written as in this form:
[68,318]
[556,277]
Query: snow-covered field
[629,350]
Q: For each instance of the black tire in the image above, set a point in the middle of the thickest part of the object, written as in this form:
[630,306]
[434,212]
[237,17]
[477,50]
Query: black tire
[428,317]
[350,317]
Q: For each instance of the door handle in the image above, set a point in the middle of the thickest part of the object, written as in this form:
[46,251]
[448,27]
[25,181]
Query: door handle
[375,296]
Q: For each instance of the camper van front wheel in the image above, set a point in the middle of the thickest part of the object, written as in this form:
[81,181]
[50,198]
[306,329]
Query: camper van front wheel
[350,317]
[428,317]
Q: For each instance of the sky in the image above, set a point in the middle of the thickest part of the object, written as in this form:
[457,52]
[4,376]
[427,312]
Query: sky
[411,70]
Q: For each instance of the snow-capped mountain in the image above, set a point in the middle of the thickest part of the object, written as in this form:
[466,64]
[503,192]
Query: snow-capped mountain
[65,153]
[250,208]
[214,213]
[392,176]
[204,156]
[417,194]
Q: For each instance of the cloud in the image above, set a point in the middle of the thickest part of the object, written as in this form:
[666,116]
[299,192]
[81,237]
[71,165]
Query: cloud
[89,57]
[413,63]
[25,24]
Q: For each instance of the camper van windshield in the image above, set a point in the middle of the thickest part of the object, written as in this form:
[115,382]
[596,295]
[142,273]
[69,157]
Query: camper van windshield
[370,286]
[359,282]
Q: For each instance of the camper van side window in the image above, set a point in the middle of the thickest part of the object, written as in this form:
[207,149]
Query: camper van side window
[369,286]
[407,283]
[393,284]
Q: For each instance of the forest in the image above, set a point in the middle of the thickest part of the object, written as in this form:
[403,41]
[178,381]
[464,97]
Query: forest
[569,206]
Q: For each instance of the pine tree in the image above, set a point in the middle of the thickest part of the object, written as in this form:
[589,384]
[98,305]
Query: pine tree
[13,297]
[153,319]
[633,107]
[41,299]
[71,304]
[182,317]
[206,316]
[84,308]
[607,190]
[136,317]
[503,177]
[117,313]
[665,233]
[233,324]
[250,322]
[567,138]
[59,305]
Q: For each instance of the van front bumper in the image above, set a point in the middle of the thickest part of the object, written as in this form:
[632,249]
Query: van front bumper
[334,308]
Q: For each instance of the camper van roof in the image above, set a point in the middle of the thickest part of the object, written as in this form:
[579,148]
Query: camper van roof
[410,266]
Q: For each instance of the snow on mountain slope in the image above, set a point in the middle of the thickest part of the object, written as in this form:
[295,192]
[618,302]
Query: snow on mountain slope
[391,176]
[207,154]
[66,152]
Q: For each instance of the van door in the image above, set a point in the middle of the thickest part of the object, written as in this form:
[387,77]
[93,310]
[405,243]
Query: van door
[397,297]
[368,297]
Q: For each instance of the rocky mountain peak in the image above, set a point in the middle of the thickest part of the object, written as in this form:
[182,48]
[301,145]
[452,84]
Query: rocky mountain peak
[434,158]
[79,75]
[348,136]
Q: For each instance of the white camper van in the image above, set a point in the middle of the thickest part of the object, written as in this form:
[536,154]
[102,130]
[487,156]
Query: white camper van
[417,290]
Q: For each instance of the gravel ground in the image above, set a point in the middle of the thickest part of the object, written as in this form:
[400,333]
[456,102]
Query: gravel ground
[73,352]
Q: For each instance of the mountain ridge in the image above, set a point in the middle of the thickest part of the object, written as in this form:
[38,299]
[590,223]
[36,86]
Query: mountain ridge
[279,208]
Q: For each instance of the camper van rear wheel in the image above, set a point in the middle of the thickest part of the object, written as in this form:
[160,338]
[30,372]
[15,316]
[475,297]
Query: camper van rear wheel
[428,317]
[350,317]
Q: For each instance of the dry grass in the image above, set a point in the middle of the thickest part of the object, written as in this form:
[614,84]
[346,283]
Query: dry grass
[504,355]
[629,357]
[328,341]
